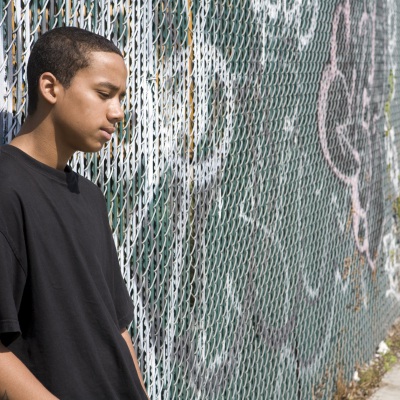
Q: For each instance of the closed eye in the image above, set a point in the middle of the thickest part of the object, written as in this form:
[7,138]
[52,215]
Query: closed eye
[104,95]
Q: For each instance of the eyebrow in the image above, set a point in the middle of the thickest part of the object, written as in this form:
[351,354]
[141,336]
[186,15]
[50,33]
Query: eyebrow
[112,87]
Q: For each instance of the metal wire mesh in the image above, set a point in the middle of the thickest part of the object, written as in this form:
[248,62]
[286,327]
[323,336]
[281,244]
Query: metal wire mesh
[253,187]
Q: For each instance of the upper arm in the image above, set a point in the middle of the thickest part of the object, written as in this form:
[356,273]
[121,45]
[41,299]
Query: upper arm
[12,284]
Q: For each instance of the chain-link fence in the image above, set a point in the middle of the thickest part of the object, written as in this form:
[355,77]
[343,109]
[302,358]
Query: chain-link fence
[253,187]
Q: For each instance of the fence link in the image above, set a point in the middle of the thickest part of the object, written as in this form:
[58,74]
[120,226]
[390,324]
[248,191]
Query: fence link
[253,187]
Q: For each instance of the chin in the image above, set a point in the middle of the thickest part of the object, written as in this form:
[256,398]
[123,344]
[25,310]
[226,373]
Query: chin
[93,148]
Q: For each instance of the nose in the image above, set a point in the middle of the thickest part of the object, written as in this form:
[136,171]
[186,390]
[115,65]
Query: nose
[115,112]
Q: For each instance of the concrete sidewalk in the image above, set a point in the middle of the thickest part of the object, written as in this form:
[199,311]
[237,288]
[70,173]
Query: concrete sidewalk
[390,386]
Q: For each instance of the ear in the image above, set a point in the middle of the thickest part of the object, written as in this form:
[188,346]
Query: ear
[49,87]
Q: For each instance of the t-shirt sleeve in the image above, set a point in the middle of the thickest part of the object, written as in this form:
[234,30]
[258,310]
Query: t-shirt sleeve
[12,283]
[123,301]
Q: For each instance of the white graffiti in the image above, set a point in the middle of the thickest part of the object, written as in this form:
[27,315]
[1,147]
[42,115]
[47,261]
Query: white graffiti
[392,265]
[390,139]
[5,101]
[167,146]
[391,252]
[340,213]
[311,284]
[392,34]
[209,71]
[287,360]
[293,17]
[357,106]
[392,160]
[3,84]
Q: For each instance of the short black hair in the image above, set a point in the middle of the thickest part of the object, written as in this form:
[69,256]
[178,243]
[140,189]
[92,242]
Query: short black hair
[63,52]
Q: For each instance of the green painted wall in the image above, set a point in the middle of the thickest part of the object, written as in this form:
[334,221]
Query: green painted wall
[253,187]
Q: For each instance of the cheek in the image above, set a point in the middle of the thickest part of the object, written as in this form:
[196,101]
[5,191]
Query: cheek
[84,101]
[79,112]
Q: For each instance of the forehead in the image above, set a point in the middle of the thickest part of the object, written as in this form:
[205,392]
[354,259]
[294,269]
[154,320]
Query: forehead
[104,66]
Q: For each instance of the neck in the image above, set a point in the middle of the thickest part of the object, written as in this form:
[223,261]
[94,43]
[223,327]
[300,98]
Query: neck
[37,139]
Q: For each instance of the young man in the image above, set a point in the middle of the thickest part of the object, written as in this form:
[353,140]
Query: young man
[64,307]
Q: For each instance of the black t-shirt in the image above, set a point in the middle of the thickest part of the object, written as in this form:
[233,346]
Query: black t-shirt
[63,301]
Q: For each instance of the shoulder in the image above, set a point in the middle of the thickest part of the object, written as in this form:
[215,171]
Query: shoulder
[14,182]
[8,166]
[87,186]
[88,192]
[10,181]
[16,174]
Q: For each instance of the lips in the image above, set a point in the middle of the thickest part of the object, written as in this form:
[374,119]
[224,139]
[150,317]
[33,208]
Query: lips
[107,132]
[110,131]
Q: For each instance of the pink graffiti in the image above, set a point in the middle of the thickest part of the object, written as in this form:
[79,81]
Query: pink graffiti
[346,120]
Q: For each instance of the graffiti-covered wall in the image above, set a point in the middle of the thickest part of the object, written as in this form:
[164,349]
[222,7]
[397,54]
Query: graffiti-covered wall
[253,187]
